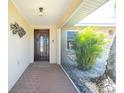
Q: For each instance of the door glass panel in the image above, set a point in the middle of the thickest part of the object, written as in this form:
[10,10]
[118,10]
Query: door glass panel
[41,45]
[45,44]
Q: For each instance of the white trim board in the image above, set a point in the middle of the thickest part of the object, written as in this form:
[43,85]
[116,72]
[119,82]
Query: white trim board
[95,24]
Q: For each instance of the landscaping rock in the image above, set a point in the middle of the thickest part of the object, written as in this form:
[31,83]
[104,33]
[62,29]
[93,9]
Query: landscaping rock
[111,67]
[106,86]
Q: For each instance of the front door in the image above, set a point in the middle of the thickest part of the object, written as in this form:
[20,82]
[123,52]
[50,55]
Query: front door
[41,45]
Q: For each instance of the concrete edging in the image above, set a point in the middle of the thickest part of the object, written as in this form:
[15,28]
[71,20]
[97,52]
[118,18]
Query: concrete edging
[70,79]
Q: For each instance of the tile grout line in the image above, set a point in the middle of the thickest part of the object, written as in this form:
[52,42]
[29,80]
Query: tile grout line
[70,79]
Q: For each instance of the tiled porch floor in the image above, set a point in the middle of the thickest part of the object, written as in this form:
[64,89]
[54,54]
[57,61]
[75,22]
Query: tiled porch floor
[43,80]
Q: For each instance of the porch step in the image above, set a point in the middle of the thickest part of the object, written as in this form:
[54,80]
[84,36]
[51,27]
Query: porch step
[40,64]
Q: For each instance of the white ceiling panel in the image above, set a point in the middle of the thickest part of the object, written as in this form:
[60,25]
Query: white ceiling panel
[85,8]
[53,10]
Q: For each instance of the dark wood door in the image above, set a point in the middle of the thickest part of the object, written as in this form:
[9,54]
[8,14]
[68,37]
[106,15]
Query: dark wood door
[41,45]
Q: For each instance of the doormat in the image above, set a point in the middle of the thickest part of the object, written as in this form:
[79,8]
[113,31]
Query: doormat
[41,64]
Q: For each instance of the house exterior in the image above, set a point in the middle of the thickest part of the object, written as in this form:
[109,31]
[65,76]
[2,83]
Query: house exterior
[21,51]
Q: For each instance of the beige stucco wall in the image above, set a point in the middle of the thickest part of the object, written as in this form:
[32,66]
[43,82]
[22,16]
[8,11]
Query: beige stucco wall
[19,49]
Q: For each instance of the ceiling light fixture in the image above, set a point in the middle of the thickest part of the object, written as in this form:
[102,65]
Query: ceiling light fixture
[41,11]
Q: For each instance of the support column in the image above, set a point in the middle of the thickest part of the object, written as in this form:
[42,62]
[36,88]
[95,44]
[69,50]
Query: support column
[58,46]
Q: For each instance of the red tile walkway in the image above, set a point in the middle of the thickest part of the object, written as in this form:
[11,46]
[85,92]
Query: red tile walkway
[43,80]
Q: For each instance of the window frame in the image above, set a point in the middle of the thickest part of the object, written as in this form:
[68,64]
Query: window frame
[67,38]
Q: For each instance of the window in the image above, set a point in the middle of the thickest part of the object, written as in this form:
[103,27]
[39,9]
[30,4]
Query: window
[70,37]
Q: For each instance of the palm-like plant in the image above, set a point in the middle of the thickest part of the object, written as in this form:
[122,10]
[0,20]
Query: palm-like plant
[88,45]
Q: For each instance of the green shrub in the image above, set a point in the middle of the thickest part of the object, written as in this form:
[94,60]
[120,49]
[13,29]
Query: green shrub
[88,45]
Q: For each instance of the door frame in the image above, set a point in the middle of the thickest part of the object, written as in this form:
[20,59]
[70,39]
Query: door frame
[48,39]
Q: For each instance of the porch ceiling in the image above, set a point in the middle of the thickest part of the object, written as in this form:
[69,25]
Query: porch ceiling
[53,10]
[57,12]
